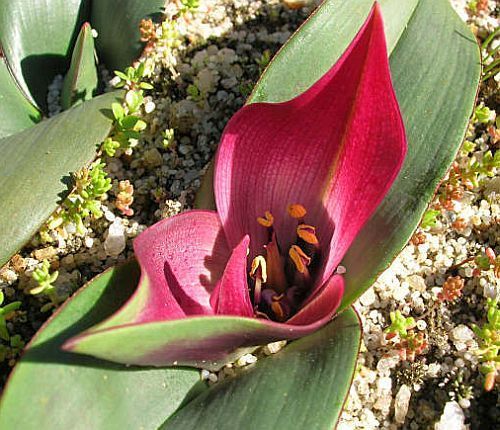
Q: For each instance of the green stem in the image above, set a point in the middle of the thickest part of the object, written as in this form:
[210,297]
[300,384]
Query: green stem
[491,66]
[489,75]
[491,53]
[488,40]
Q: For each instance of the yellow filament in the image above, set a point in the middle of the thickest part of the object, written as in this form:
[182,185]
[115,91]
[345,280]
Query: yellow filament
[307,233]
[299,258]
[267,220]
[259,262]
[297,211]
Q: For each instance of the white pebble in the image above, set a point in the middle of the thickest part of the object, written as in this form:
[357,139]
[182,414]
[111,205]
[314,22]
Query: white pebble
[368,298]
[421,325]
[149,107]
[274,347]
[89,242]
[452,418]
[401,404]
[246,359]
[115,241]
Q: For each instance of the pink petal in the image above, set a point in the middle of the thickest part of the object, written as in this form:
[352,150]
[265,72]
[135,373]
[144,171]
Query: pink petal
[322,304]
[181,260]
[336,149]
[230,296]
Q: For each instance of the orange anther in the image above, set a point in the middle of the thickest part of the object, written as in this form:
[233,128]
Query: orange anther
[259,262]
[297,211]
[307,233]
[299,258]
[277,308]
[267,220]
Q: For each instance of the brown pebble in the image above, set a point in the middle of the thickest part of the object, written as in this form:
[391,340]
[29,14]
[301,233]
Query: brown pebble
[18,263]
[45,253]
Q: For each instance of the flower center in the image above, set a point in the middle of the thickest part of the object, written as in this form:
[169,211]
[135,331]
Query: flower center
[281,279]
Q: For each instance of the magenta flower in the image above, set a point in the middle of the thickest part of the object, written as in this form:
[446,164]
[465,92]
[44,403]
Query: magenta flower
[294,183]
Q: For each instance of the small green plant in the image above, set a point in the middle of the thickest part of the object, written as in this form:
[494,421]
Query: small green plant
[405,340]
[132,78]
[264,60]
[11,351]
[489,344]
[6,312]
[168,137]
[472,5]
[430,218]
[399,325]
[482,114]
[246,88]
[45,281]
[44,278]
[477,170]
[127,124]
[189,5]
[194,92]
[90,186]
[127,127]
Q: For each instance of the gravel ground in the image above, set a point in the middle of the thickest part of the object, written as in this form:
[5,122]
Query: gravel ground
[221,50]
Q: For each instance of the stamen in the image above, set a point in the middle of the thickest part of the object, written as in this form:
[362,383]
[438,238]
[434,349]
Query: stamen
[275,266]
[258,272]
[259,262]
[307,233]
[267,220]
[278,309]
[297,211]
[299,258]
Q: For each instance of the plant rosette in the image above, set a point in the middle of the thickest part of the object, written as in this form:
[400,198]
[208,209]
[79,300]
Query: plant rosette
[292,192]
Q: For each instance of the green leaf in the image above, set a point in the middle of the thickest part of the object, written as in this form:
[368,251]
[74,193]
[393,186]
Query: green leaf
[36,37]
[430,218]
[303,386]
[37,164]
[119,42]
[428,77]
[118,111]
[81,80]
[52,389]
[16,111]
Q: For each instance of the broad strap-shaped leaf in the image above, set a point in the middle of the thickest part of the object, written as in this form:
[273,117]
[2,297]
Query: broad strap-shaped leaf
[16,111]
[36,37]
[322,40]
[199,341]
[117,24]
[81,80]
[52,389]
[301,387]
[418,67]
[435,132]
[37,164]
